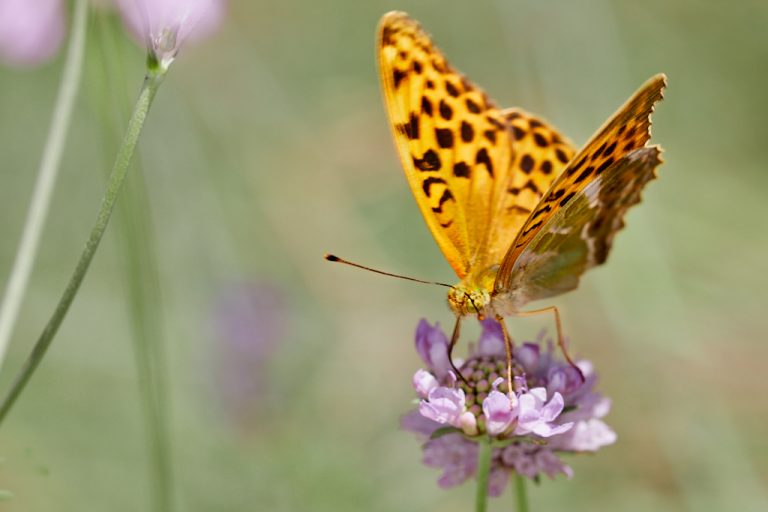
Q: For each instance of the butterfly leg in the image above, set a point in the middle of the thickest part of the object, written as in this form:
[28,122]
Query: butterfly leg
[508,346]
[454,340]
[560,338]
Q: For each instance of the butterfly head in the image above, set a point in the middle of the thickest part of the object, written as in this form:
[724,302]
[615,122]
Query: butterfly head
[468,300]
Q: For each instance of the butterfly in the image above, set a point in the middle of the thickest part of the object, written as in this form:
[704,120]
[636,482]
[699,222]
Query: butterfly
[519,213]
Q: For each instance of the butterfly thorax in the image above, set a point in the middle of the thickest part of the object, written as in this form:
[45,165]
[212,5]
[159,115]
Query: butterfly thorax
[473,295]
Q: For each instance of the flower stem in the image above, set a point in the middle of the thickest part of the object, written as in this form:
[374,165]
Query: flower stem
[117,176]
[521,495]
[46,179]
[483,471]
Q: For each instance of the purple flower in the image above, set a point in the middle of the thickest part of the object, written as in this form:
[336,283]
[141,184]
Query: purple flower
[31,31]
[249,322]
[550,411]
[164,25]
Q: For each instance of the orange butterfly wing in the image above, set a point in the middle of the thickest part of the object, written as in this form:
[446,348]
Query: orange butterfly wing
[626,131]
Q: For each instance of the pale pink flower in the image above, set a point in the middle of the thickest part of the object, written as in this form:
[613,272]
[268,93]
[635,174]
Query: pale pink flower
[164,25]
[31,31]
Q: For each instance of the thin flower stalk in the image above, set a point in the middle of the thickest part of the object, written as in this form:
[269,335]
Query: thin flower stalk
[483,471]
[149,89]
[46,179]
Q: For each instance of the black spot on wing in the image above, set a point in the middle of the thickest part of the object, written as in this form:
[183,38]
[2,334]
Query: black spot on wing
[604,166]
[467,132]
[461,170]
[430,161]
[447,196]
[397,77]
[584,174]
[567,198]
[444,137]
[483,158]
[446,112]
[427,184]
[472,106]
[451,89]
[527,163]
[426,106]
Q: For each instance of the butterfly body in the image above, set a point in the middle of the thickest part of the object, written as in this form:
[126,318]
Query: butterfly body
[517,211]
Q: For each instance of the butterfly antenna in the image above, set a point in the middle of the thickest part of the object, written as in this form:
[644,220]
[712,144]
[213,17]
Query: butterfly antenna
[331,257]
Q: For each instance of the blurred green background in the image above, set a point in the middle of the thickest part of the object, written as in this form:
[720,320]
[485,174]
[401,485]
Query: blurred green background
[267,147]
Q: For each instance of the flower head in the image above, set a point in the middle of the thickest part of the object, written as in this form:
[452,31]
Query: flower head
[31,31]
[164,25]
[549,412]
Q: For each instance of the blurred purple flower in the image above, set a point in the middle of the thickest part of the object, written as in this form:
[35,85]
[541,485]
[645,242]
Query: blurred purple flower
[164,25]
[550,412]
[455,455]
[249,323]
[31,31]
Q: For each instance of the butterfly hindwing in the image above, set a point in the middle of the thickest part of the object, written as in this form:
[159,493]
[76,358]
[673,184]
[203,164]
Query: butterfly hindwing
[540,154]
[626,131]
[580,234]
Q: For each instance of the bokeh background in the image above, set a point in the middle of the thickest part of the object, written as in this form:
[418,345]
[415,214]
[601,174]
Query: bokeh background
[267,147]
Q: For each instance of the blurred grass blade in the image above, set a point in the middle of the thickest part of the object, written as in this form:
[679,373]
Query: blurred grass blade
[46,178]
[141,274]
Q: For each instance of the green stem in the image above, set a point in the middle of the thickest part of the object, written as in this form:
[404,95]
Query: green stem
[146,96]
[521,495]
[483,471]
[46,179]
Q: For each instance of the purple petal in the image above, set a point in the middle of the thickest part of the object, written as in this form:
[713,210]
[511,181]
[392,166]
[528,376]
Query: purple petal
[587,436]
[564,379]
[548,430]
[432,346]
[444,405]
[415,422]
[31,31]
[499,412]
[424,382]
[528,356]
[455,455]
[553,409]
[491,341]
[497,481]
